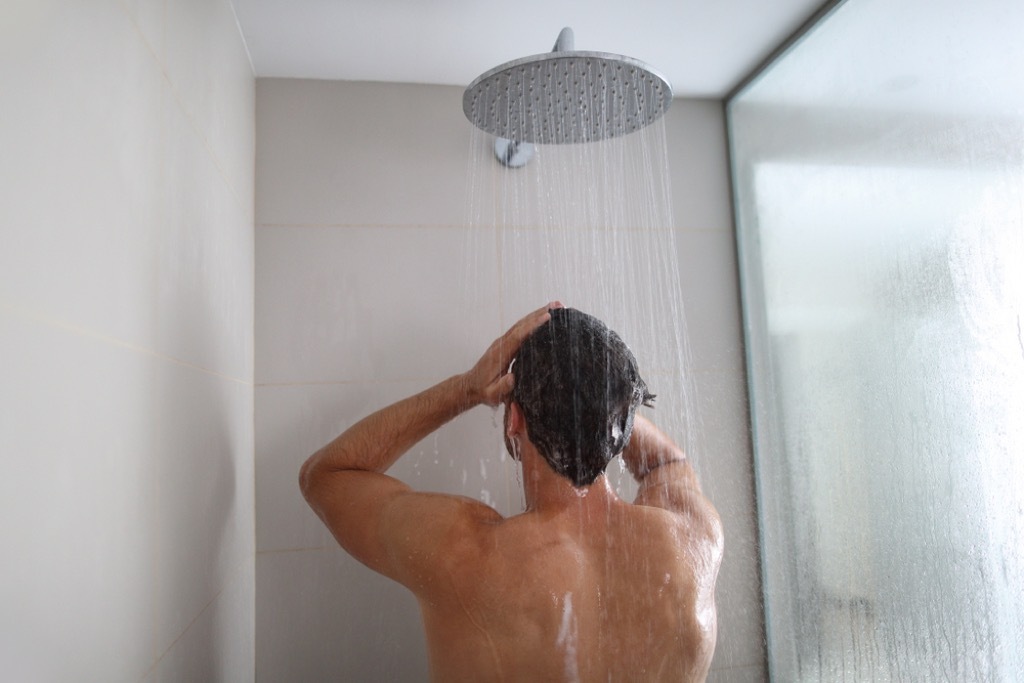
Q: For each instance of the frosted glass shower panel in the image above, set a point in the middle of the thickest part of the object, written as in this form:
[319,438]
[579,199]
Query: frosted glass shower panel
[879,169]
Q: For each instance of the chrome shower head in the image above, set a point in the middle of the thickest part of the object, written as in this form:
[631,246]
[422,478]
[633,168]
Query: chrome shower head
[567,96]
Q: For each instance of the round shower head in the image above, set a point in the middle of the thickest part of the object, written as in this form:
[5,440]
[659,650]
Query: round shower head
[567,97]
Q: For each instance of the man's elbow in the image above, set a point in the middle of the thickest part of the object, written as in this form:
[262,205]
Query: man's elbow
[308,476]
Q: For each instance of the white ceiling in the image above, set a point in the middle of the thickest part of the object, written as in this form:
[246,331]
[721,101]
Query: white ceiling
[704,47]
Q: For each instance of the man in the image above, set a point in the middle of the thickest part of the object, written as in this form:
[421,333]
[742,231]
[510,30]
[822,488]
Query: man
[582,586]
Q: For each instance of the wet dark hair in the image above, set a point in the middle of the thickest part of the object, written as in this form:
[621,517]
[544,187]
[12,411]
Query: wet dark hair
[578,386]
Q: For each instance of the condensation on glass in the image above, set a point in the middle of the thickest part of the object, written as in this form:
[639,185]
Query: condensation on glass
[879,169]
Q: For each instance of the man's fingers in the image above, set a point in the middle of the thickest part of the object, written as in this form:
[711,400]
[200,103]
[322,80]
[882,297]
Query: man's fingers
[499,390]
[505,386]
[522,329]
[504,349]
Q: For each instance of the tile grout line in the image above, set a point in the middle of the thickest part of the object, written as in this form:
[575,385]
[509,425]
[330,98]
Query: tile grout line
[734,667]
[185,111]
[475,226]
[234,575]
[48,321]
[241,35]
[356,226]
[159,487]
[346,382]
[282,551]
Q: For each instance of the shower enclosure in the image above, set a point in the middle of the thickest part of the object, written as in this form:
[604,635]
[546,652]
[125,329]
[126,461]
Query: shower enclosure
[879,186]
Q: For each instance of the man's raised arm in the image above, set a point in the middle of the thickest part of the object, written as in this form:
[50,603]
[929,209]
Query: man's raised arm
[666,478]
[369,512]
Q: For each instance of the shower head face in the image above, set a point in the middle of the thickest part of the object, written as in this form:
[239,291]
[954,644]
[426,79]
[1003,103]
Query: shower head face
[567,97]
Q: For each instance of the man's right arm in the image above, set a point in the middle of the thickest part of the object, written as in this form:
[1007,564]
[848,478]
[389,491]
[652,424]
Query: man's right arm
[666,478]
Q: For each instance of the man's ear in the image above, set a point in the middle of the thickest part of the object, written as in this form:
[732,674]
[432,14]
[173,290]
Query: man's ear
[514,422]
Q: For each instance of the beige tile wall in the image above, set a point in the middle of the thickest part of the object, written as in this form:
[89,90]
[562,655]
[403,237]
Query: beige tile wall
[126,333]
[376,276]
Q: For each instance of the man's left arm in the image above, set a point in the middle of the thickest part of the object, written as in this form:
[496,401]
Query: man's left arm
[380,520]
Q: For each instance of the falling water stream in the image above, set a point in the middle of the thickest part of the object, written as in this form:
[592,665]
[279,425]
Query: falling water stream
[590,225]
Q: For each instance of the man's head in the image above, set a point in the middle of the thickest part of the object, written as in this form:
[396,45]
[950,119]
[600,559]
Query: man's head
[578,387]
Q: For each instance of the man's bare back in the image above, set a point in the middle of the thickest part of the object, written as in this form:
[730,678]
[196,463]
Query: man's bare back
[607,591]
[583,586]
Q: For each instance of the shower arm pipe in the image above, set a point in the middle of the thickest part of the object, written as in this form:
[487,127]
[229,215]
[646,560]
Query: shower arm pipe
[566,41]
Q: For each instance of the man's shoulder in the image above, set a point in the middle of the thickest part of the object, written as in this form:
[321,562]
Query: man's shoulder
[493,543]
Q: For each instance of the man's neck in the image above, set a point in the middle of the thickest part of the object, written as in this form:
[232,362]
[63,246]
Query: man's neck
[548,491]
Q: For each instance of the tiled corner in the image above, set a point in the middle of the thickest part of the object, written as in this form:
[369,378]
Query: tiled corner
[320,616]
[204,469]
[205,260]
[465,457]
[344,304]
[220,644]
[212,79]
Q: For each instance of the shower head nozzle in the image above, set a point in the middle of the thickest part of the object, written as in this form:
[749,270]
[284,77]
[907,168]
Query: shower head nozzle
[567,96]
